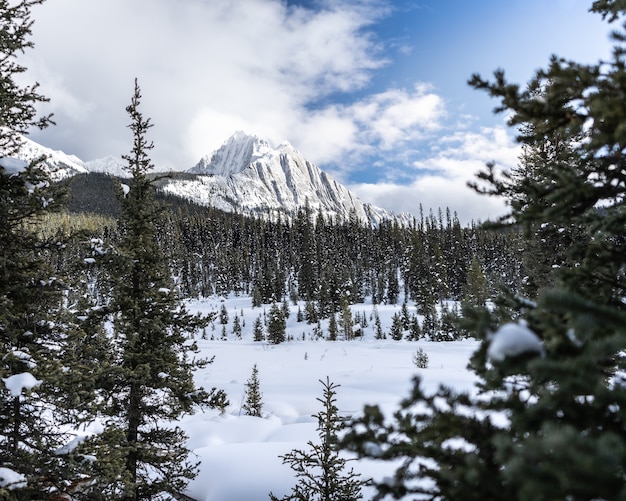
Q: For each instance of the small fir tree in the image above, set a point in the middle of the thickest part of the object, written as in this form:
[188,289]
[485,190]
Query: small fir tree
[332,328]
[321,471]
[237,327]
[253,404]
[256,297]
[477,286]
[257,330]
[276,326]
[378,328]
[396,327]
[223,315]
[415,331]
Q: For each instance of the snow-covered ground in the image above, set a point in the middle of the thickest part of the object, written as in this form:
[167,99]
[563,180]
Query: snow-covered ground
[238,454]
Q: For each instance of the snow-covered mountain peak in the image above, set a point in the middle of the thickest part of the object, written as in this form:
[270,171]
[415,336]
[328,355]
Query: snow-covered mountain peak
[237,153]
[247,174]
[59,164]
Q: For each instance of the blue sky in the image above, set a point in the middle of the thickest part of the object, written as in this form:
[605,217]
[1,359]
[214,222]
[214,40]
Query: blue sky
[373,91]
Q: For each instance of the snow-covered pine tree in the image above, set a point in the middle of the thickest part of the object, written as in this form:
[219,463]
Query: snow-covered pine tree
[32,379]
[223,315]
[276,325]
[253,404]
[321,472]
[557,372]
[137,457]
[257,329]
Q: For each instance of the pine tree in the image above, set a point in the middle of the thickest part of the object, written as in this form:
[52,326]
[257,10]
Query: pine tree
[256,296]
[223,315]
[257,330]
[477,287]
[396,332]
[254,398]
[332,328]
[345,318]
[33,392]
[378,328]
[320,471]
[237,327]
[276,326]
[563,395]
[150,381]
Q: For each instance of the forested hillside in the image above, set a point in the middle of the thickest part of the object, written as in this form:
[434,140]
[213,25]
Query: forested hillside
[318,259]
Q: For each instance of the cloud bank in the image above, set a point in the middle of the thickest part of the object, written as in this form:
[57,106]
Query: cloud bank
[268,67]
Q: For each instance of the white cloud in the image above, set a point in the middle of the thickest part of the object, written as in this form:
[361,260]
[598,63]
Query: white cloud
[203,67]
[209,68]
[440,180]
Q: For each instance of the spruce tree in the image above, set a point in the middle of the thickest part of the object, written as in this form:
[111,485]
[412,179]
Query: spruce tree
[223,315]
[253,404]
[257,330]
[150,381]
[276,326]
[332,328]
[477,288]
[321,472]
[33,386]
[563,394]
[396,331]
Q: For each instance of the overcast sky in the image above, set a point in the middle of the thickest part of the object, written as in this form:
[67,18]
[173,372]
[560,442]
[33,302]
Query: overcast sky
[372,91]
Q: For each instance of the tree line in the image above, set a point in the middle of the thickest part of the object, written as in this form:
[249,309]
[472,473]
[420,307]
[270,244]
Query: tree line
[309,257]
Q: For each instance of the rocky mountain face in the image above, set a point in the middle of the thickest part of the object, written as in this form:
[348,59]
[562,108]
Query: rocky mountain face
[246,174]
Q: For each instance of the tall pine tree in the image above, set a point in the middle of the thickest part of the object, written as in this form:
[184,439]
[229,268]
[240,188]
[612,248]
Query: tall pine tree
[32,379]
[150,381]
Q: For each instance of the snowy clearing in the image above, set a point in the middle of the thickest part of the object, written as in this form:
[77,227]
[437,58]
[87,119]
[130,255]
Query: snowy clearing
[239,454]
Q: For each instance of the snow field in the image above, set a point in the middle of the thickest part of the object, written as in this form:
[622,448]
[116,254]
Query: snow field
[238,454]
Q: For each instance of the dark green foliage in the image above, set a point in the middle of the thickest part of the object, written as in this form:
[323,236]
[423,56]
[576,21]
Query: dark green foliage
[258,334]
[477,287]
[415,330]
[253,404]
[93,193]
[396,332]
[332,328]
[378,328]
[149,379]
[32,330]
[223,315]
[237,327]
[18,106]
[276,325]
[320,471]
[324,261]
[548,426]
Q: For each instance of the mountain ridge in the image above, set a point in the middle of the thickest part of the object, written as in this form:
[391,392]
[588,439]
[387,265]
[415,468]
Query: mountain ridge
[246,174]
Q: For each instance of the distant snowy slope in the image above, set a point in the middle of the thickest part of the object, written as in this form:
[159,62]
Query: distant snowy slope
[60,165]
[108,165]
[247,174]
